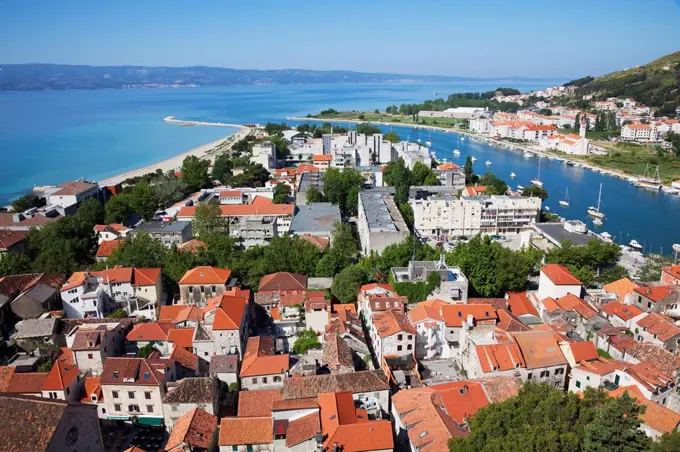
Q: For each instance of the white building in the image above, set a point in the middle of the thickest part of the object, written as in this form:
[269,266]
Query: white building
[441,217]
[264,153]
[72,193]
[556,281]
[413,153]
[638,132]
[93,343]
[392,335]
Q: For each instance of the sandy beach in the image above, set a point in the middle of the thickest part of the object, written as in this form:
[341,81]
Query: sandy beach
[208,151]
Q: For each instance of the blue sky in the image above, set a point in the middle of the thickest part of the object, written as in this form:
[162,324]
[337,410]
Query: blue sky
[487,38]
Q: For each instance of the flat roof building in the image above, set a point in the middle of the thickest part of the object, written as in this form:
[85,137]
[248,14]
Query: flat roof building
[380,223]
[317,219]
[308,180]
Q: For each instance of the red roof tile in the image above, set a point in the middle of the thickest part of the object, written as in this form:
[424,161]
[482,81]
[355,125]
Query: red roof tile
[539,349]
[130,371]
[237,431]
[11,238]
[499,357]
[455,314]
[62,374]
[181,337]
[93,385]
[195,428]
[107,246]
[258,403]
[282,281]
[655,416]
[149,332]
[260,359]
[583,351]
[659,325]
[519,304]
[27,383]
[206,275]
[6,374]
[146,276]
[624,312]
[392,322]
[302,429]
[560,275]
[657,293]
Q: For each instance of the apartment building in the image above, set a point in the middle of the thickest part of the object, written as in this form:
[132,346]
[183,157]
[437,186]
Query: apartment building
[392,335]
[168,232]
[380,223]
[93,343]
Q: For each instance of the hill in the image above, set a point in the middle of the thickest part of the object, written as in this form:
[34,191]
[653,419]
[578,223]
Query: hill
[31,77]
[656,84]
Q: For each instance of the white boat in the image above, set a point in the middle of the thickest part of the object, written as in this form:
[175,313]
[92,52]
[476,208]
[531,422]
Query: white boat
[520,188]
[595,211]
[528,154]
[537,180]
[418,140]
[462,138]
[635,244]
[546,208]
[428,143]
[676,247]
[671,190]
[607,237]
[650,182]
[474,159]
[456,152]
[597,222]
[488,163]
[513,175]
[565,202]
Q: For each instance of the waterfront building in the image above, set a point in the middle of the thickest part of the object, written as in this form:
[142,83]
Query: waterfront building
[455,113]
[569,144]
[639,132]
[413,153]
[380,223]
[443,217]
[671,275]
[69,194]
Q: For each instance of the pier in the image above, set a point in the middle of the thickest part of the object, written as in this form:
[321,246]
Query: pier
[183,123]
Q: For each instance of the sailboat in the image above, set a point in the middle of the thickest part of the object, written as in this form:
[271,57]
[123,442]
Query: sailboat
[474,159]
[537,180]
[428,143]
[456,152]
[513,175]
[565,202]
[595,211]
[597,222]
[647,181]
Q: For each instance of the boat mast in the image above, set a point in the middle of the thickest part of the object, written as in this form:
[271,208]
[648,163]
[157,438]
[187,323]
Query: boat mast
[599,198]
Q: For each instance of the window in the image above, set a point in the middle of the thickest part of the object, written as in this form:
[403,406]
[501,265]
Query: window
[131,394]
[409,337]
[587,377]
[115,395]
[559,371]
[103,410]
[264,380]
[117,407]
[191,289]
[529,376]
[254,381]
[544,373]
[90,356]
[649,305]
[68,391]
[663,402]
[174,407]
[94,398]
[202,289]
[147,395]
[277,379]
[149,408]
[234,448]
[133,408]
[399,347]
[409,347]
[399,337]
[578,384]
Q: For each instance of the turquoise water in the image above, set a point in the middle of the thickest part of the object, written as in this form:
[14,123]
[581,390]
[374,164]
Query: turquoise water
[51,137]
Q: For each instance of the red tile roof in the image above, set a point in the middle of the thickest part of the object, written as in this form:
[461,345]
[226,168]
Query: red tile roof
[342,426]
[447,166]
[259,358]
[655,416]
[659,325]
[519,304]
[31,423]
[93,385]
[282,281]
[601,366]
[499,357]
[624,312]
[238,210]
[107,246]
[10,238]
[206,275]
[130,371]
[231,193]
[185,358]
[192,246]
[392,322]
[229,313]
[237,431]
[168,313]
[657,293]
[571,302]
[73,188]
[62,374]
[195,428]
[583,351]
[145,276]
[149,332]
[429,310]
[181,337]
[6,374]
[455,314]
[322,158]
[673,270]
[539,349]
[27,383]
[372,286]
[258,403]
[621,288]
[321,242]
[302,429]
[462,399]
[560,275]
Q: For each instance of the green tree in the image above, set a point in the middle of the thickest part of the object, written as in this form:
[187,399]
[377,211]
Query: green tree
[467,168]
[146,351]
[669,442]
[118,208]
[588,261]
[617,428]
[406,212]
[338,184]
[143,200]
[392,137]
[343,252]
[651,269]
[176,263]
[281,147]
[170,190]
[305,341]
[222,167]
[139,250]
[494,185]
[368,129]
[352,203]
[423,175]
[14,264]
[281,193]
[117,314]
[347,283]
[208,220]
[275,129]
[533,191]
[26,202]
[314,195]
[195,173]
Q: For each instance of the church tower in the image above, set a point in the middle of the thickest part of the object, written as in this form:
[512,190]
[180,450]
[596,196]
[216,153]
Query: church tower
[582,130]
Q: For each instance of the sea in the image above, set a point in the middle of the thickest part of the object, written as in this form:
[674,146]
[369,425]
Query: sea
[50,137]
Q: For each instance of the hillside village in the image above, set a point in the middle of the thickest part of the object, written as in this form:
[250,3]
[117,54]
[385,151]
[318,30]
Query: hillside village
[338,303]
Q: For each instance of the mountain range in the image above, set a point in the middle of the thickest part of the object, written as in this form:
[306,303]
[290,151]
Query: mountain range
[41,77]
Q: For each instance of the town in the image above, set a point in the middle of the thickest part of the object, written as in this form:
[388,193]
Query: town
[364,298]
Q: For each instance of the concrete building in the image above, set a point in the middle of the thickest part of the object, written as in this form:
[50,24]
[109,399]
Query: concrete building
[70,194]
[254,231]
[317,219]
[201,283]
[413,153]
[451,175]
[93,343]
[556,281]
[392,335]
[305,182]
[171,232]
[443,217]
[453,286]
[639,132]
[261,208]
[380,223]
[264,153]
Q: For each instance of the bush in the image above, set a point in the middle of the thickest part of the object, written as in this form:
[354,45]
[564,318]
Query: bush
[306,340]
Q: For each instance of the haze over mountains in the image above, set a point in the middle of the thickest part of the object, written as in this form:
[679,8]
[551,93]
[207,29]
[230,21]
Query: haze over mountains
[40,77]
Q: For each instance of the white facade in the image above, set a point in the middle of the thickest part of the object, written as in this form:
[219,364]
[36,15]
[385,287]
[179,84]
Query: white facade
[264,153]
[547,288]
[124,400]
[638,132]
